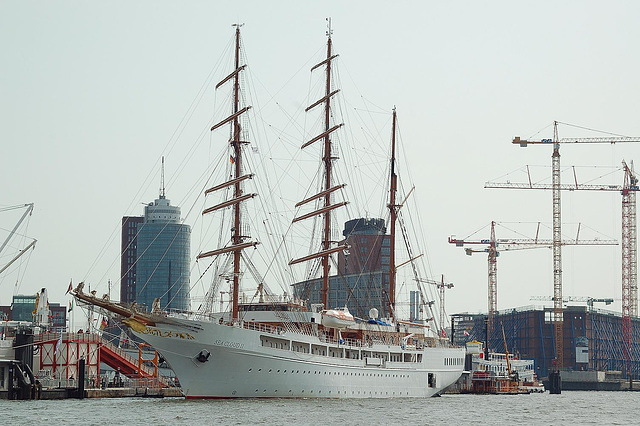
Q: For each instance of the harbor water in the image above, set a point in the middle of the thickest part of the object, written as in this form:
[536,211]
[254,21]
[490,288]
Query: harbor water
[569,408]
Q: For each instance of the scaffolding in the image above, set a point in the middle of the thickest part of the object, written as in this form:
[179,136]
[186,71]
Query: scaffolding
[592,338]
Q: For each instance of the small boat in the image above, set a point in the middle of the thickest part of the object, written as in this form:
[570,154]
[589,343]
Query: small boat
[498,373]
[337,318]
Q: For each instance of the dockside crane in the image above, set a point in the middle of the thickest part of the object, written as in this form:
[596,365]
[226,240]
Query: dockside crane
[441,286]
[28,210]
[493,246]
[557,232]
[628,241]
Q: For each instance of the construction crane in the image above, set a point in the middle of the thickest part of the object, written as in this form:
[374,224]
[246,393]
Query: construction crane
[12,233]
[441,286]
[494,245]
[590,300]
[629,236]
[629,258]
[557,232]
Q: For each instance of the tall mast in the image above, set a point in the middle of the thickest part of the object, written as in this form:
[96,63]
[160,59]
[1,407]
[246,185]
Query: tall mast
[326,237]
[237,190]
[393,213]
[237,237]
[326,188]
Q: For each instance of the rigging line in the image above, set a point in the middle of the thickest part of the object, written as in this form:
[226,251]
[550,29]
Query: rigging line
[522,169]
[367,110]
[186,117]
[592,130]
[541,130]
[475,232]
[289,80]
[276,249]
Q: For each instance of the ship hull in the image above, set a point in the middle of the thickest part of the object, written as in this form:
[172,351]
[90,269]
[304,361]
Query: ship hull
[220,361]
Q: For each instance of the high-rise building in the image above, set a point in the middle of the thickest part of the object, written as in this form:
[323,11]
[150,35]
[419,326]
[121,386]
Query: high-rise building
[162,269]
[129,257]
[362,279]
[155,256]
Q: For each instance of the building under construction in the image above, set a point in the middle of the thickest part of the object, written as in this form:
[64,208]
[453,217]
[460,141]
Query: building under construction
[593,338]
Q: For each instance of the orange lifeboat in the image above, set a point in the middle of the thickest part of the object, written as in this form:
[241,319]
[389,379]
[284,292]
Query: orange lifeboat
[337,318]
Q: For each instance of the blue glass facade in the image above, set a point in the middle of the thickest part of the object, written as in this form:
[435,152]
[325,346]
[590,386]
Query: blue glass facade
[156,257]
[162,269]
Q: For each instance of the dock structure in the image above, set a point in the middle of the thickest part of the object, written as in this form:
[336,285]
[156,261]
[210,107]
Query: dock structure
[67,365]
[593,339]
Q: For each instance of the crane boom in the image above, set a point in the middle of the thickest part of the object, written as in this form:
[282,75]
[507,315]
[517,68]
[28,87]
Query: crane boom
[524,142]
[493,247]
[26,249]
[557,252]
[27,212]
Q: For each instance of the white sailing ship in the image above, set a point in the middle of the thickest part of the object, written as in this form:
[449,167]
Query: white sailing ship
[277,346]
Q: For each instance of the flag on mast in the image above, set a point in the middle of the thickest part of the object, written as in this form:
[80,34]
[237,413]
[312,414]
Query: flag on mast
[58,343]
[70,287]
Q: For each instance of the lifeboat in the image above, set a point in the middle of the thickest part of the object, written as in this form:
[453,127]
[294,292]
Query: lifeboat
[337,318]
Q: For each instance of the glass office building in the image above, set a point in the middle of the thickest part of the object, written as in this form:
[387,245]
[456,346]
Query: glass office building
[162,251]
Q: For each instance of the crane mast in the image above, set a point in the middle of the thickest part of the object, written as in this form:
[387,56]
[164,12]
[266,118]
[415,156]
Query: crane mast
[629,234]
[629,259]
[557,235]
[493,247]
[557,249]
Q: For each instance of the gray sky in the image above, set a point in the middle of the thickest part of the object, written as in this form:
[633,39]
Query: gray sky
[92,92]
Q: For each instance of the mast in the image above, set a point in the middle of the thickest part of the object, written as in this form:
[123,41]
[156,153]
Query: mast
[326,187]
[237,237]
[162,193]
[237,189]
[326,238]
[393,213]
